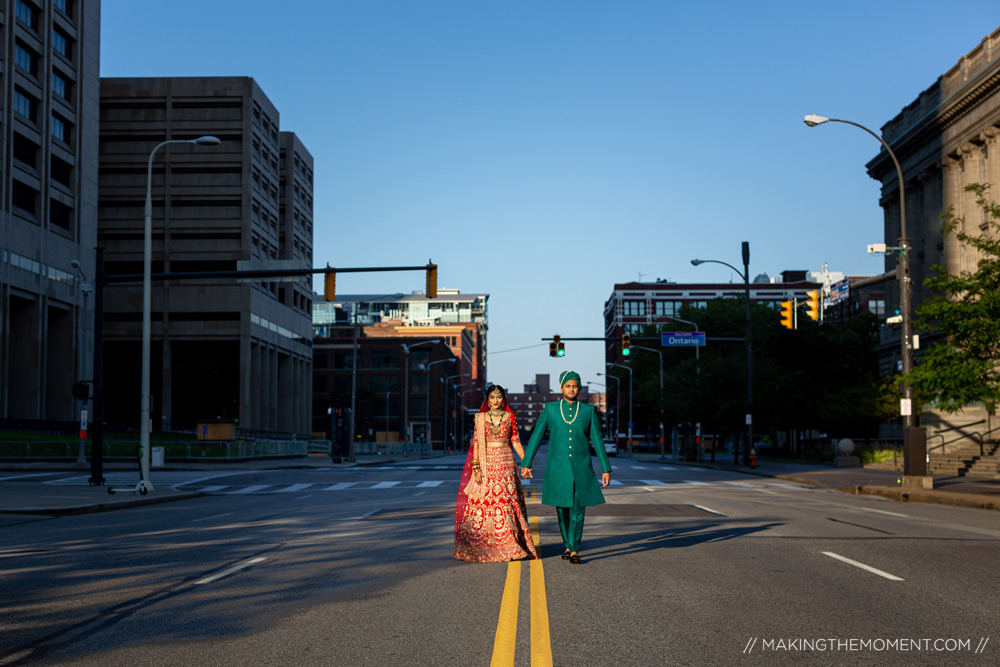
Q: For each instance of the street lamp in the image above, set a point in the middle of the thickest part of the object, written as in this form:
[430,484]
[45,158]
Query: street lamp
[697,370]
[628,446]
[147,261]
[406,386]
[427,406]
[618,394]
[906,344]
[749,342]
[660,354]
[444,420]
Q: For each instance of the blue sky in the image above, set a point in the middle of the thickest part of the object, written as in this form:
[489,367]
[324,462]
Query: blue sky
[543,151]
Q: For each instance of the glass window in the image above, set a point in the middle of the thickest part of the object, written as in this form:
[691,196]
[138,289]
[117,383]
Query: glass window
[418,384]
[634,328]
[24,59]
[60,41]
[26,13]
[634,308]
[60,86]
[24,105]
[667,308]
[698,304]
[60,215]
[418,357]
[59,129]
[384,383]
[876,307]
[60,5]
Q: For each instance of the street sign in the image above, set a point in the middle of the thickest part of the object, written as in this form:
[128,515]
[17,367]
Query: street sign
[682,339]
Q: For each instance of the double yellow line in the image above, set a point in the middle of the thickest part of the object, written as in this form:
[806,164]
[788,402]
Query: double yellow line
[504,642]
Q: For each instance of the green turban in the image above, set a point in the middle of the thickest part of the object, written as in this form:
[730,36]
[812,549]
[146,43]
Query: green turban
[566,376]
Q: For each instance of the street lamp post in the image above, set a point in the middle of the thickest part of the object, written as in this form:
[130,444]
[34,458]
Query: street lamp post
[147,261]
[628,446]
[697,370]
[428,443]
[905,303]
[444,419]
[749,343]
[405,435]
[618,393]
[660,354]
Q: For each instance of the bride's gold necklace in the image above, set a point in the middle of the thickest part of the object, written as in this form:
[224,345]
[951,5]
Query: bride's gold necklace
[490,415]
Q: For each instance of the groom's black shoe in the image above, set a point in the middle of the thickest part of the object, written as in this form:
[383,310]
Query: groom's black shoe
[565,555]
[575,559]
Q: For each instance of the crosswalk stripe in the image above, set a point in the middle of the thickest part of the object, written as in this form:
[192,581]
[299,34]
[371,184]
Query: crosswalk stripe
[695,482]
[653,482]
[340,486]
[293,488]
[639,468]
[615,482]
[385,485]
[213,489]
[433,484]
[250,489]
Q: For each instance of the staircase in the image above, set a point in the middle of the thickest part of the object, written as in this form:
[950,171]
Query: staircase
[966,461]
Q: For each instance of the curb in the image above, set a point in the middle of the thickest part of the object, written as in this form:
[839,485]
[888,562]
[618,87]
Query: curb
[101,507]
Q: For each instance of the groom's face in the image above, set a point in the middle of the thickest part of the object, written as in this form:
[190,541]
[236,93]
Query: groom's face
[570,390]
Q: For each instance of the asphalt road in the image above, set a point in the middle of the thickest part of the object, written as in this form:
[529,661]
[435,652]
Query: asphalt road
[353,566]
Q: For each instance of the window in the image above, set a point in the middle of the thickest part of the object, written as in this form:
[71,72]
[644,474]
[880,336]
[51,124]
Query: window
[383,383]
[24,105]
[60,130]
[24,198]
[61,5]
[634,308]
[61,171]
[634,328]
[60,86]
[25,151]
[876,307]
[698,304]
[25,59]
[27,14]
[60,41]
[667,308]
[60,215]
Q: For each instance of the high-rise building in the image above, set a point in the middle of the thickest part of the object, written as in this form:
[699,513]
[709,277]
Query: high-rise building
[48,203]
[221,349]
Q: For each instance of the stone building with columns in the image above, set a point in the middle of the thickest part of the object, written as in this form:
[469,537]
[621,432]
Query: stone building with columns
[945,139]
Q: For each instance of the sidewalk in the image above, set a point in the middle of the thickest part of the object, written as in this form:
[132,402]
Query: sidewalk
[958,491]
[20,494]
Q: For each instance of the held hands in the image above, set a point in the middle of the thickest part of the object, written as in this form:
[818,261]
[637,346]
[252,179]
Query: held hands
[525,473]
[605,478]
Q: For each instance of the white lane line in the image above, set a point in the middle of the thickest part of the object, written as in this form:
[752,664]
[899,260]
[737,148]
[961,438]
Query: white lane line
[705,509]
[34,474]
[216,516]
[867,568]
[431,484]
[653,482]
[743,484]
[340,486]
[695,482]
[293,488]
[213,489]
[615,482]
[237,568]
[385,485]
[868,509]
[250,489]
[639,468]
[371,513]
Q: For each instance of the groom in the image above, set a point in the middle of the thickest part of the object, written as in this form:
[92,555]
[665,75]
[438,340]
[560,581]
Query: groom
[569,482]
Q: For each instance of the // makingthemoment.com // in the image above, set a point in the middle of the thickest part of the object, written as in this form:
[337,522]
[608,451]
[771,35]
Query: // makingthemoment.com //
[858,645]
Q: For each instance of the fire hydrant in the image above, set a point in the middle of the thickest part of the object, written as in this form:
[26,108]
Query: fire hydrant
[753,457]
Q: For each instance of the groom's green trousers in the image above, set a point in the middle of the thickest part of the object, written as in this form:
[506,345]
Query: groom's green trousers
[571,523]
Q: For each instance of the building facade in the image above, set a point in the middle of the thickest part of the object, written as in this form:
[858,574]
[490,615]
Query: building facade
[223,349]
[528,404]
[48,204]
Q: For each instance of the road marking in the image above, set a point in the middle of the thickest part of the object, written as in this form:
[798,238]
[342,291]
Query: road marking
[385,485]
[868,509]
[249,489]
[293,488]
[340,486]
[653,482]
[705,509]
[34,474]
[541,643]
[217,516]
[432,484]
[744,484]
[867,568]
[371,513]
[615,482]
[213,489]
[252,561]
[506,636]
[695,482]
[639,468]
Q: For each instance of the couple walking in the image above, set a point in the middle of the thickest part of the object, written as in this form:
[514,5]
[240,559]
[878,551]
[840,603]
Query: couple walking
[491,522]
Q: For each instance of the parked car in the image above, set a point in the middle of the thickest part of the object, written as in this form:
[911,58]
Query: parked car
[610,447]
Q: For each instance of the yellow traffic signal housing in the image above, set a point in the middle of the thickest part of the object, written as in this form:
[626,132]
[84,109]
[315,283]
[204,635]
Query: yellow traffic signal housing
[626,345]
[788,314]
[812,305]
[554,346]
[330,286]
[432,281]
[562,349]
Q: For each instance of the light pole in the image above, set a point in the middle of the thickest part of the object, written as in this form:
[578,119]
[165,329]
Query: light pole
[749,342]
[355,353]
[444,419]
[405,435]
[697,370]
[462,398]
[618,394]
[660,354]
[906,334]
[428,443]
[86,287]
[628,446]
[147,261]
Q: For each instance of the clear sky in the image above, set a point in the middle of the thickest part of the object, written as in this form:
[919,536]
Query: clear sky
[541,151]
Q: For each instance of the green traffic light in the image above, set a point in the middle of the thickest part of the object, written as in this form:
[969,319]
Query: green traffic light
[626,352]
[562,353]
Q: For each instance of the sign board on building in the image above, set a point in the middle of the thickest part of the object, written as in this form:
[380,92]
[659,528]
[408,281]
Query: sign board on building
[839,291]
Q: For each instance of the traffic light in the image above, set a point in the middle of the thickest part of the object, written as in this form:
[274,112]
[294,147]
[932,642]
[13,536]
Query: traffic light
[554,346]
[788,314]
[432,280]
[812,305]
[330,285]
[560,347]
[626,344]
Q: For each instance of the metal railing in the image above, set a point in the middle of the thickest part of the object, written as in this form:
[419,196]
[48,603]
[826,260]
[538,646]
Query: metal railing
[964,436]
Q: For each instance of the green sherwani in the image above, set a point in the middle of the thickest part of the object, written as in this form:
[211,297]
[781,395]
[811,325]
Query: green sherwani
[569,472]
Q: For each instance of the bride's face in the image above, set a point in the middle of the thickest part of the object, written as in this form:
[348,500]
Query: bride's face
[496,400]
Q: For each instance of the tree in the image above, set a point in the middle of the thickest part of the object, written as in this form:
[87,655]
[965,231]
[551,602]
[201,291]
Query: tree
[962,368]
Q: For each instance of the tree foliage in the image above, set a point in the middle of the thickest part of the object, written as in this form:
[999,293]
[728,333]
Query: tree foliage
[962,368]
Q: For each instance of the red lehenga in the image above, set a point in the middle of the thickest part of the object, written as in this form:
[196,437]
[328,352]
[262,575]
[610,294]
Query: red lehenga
[491,521]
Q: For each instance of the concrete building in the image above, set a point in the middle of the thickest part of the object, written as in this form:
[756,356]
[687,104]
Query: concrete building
[528,404]
[48,203]
[222,349]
